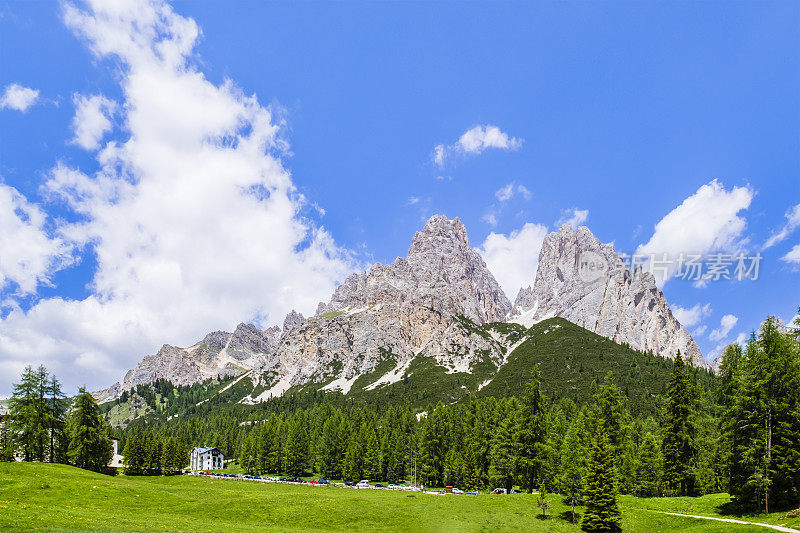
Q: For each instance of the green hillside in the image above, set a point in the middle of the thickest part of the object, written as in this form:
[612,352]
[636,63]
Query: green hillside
[573,361]
[45,497]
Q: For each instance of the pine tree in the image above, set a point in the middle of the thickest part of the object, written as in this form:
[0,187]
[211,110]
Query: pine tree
[602,513]
[766,433]
[135,456]
[678,432]
[372,450]
[530,432]
[89,434]
[57,409]
[296,454]
[501,468]
[649,468]
[27,415]
[573,467]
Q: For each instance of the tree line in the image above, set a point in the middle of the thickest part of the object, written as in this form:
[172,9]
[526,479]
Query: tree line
[44,425]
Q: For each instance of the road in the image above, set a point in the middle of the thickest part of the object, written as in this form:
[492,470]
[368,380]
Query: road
[733,521]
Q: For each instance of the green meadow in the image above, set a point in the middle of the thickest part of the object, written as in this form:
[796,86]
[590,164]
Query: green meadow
[45,497]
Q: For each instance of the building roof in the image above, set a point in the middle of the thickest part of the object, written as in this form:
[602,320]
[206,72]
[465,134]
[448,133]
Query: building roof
[205,449]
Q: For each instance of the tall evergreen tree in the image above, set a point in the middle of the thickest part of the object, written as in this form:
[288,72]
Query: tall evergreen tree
[503,454]
[766,438]
[135,456]
[678,432]
[57,405]
[89,434]
[296,454]
[27,413]
[602,513]
[530,434]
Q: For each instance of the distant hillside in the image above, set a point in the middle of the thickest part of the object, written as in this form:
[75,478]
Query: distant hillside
[572,360]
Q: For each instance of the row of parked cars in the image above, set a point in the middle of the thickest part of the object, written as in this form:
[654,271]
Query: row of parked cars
[275,479]
[363,484]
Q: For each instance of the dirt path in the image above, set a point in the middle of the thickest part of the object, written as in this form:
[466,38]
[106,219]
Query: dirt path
[732,521]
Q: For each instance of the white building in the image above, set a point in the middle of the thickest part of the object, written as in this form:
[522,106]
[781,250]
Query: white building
[206,459]
[116,459]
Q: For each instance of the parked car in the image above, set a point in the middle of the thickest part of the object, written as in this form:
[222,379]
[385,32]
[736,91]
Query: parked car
[499,491]
[363,484]
[323,481]
[456,490]
[380,486]
[349,484]
[472,493]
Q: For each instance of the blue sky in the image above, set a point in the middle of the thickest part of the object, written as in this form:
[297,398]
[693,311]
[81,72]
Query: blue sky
[624,113]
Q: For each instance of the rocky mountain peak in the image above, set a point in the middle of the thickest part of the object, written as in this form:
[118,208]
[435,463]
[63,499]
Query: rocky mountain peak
[585,281]
[292,320]
[439,231]
[441,272]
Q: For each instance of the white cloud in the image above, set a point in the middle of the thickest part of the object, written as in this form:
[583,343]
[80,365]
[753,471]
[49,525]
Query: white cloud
[691,316]
[792,223]
[28,254]
[508,191]
[91,121]
[18,97]
[505,193]
[193,220]
[726,324]
[514,258]
[572,217]
[699,331]
[708,221]
[490,219]
[475,141]
[793,256]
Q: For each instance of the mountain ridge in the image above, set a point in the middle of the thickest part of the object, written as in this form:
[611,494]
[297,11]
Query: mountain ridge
[429,304]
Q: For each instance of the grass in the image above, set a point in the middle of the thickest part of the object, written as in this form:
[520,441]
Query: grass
[711,505]
[43,497]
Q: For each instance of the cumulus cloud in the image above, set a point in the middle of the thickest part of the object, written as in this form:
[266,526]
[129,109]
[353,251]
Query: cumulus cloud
[194,222]
[792,223]
[514,258]
[572,217]
[18,97]
[726,324]
[691,316]
[29,254]
[490,219]
[91,121]
[475,141]
[708,221]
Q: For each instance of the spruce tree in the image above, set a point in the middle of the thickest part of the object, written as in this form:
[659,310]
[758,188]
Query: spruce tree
[296,454]
[57,405]
[600,493]
[678,432]
[502,456]
[530,432]
[89,434]
[27,414]
[135,456]
[764,453]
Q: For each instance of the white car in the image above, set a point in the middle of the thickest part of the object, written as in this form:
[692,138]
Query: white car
[363,484]
[456,490]
[392,486]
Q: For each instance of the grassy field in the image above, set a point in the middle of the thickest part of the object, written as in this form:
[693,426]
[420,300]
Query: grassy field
[43,497]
